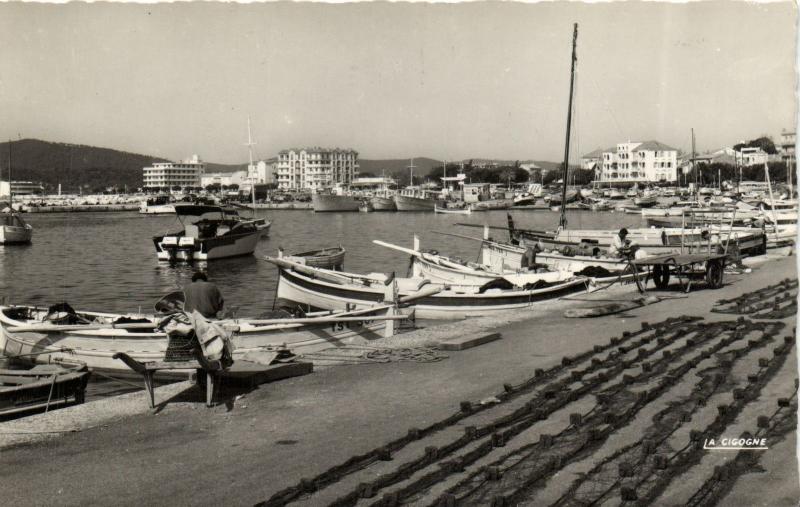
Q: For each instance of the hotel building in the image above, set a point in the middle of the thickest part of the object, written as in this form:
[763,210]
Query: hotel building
[632,162]
[187,173]
[316,168]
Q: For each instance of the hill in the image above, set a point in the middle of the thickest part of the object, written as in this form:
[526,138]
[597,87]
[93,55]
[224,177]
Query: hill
[398,168]
[72,165]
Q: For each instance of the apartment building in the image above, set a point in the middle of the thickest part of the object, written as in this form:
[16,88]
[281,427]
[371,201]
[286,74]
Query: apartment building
[316,168]
[648,161]
[187,173]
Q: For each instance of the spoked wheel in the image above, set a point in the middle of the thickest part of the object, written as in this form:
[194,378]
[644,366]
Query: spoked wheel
[714,274]
[661,276]
[637,276]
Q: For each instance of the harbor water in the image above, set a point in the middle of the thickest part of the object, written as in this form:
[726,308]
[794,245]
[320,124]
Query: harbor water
[107,262]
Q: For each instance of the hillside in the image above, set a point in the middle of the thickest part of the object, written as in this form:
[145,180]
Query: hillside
[72,165]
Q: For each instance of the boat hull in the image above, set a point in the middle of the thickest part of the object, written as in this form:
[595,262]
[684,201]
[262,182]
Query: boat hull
[448,304]
[327,258]
[323,203]
[97,348]
[14,235]
[42,387]
[383,204]
[453,211]
[407,203]
[210,249]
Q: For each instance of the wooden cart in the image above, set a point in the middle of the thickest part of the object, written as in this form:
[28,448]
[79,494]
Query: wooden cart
[661,268]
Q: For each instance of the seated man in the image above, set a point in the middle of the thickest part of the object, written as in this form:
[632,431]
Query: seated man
[623,247]
[203,296]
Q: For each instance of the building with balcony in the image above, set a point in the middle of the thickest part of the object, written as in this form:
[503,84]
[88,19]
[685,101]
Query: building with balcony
[634,162]
[316,168]
[187,173]
[786,145]
[263,172]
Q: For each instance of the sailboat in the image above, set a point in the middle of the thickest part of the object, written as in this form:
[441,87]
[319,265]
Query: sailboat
[14,230]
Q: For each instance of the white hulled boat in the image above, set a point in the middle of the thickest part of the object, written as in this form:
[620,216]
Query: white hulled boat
[157,205]
[209,233]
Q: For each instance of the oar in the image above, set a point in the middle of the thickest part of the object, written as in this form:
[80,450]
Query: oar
[515,229]
[325,320]
[325,274]
[438,258]
[48,328]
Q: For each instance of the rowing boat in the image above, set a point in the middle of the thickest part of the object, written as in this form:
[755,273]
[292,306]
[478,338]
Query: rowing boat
[42,387]
[334,290]
[30,336]
[326,258]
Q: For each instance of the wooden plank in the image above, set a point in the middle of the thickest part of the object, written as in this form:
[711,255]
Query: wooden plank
[469,341]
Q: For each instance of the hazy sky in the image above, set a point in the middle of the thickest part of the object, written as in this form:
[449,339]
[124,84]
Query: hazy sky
[394,80]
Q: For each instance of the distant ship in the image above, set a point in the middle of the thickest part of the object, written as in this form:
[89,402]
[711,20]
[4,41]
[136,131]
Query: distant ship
[333,202]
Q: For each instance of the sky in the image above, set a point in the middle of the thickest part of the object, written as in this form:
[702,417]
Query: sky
[446,81]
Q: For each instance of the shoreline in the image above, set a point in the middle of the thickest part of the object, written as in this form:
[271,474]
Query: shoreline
[271,437]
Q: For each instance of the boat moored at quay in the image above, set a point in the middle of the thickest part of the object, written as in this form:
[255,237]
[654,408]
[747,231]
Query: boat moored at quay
[209,233]
[333,202]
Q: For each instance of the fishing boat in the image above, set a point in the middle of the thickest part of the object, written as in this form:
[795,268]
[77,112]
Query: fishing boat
[529,196]
[334,202]
[452,211]
[557,198]
[645,201]
[43,386]
[209,233]
[326,258]
[31,336]
[383,203]
[333,290]
[414,198]
[13,229]
[157,205]
[441,269]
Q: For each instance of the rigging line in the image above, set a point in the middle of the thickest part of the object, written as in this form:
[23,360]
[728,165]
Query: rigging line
[608,110]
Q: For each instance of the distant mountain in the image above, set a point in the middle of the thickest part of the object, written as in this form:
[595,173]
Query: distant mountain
[225,168]
[72,165]
[397,168]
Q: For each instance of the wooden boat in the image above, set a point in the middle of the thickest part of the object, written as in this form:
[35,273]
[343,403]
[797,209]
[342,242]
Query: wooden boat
[334,290]
[326,258]
[383,203]
[441,269]
[555,199]
[13,229]
[210,232]
[645,201]
[44,386]
[452,211]
[31,336]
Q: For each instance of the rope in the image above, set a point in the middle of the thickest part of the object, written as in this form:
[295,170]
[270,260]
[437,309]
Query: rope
[50,396]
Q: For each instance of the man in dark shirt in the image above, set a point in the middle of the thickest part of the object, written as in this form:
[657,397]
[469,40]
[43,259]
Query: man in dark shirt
[203,296]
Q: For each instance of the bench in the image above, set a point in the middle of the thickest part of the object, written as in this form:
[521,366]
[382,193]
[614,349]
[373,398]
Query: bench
[150,368]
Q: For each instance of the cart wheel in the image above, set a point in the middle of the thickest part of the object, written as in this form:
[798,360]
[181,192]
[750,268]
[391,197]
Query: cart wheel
[714,273]
[638,277]
[661,276]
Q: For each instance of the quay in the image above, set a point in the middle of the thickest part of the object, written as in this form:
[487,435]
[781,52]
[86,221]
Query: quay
[82,208]
[279,437]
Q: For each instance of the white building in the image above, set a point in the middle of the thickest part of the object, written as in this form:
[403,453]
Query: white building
[649,161]
[787,145]
[751,156]
[227,179]
[263,171]
[168,174]
[316,168]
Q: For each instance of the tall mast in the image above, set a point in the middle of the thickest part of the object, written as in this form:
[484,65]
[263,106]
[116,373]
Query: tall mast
[411,167]
[250,145]
[10,193]
[696,185]
[562,222]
